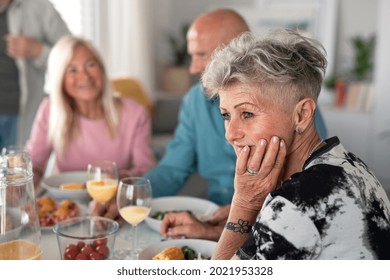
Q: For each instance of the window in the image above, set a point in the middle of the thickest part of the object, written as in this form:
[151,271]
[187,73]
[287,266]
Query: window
[78,15]
[120,31]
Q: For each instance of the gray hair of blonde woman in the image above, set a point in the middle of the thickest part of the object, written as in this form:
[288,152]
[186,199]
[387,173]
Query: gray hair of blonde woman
[283,64]
[64,117]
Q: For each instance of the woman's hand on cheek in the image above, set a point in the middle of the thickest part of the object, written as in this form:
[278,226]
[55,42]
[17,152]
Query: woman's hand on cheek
[266,164]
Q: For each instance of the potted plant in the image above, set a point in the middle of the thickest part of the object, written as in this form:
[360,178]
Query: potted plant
[364,51]
[360,89]
[179,47]
[176,78]
[354,87]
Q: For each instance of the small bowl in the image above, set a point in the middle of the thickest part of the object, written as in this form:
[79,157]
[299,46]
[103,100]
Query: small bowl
[53,185]
[86,238]
[200,208]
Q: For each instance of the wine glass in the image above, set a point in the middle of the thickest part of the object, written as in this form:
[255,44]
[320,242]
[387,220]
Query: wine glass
[134,199]
[102,180]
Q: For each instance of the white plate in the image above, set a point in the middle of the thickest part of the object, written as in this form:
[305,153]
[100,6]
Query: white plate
[201,208]
[52,186]
[83,211]
[205,247]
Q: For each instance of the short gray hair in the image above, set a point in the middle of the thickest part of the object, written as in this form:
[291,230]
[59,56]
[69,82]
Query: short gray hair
[282,63]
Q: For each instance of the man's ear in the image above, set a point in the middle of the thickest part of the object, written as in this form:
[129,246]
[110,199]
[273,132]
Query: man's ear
[303,114]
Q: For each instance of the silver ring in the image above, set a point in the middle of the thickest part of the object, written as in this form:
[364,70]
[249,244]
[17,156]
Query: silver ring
[251,172]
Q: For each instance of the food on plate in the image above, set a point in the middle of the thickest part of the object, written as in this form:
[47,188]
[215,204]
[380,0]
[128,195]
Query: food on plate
[96,250]
[72,186]
[51,212]
[159,215]
[170,253]
[176,253]
[191,254]
[46,204]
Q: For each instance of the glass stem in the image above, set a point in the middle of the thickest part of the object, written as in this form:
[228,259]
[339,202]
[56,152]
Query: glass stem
[134,239]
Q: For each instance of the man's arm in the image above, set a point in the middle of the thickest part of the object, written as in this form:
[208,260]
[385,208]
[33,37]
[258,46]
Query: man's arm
[54,27]
[179,161]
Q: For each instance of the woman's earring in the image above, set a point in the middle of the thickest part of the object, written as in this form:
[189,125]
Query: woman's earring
[299,131]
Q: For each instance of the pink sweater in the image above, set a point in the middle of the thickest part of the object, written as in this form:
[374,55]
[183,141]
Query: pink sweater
[131,149]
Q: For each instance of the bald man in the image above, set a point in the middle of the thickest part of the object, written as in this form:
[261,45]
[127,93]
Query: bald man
[210,31]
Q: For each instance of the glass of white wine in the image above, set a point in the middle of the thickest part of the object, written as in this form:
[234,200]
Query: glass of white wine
[134,199]
[102,180]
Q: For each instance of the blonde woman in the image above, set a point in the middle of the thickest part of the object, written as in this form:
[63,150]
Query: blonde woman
[82,121]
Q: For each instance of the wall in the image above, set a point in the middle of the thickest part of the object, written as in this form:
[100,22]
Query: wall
[169,15]
[366,134]
[356,17]
[379,135]
[125,39]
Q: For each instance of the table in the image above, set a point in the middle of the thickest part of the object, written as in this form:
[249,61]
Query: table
[146,236]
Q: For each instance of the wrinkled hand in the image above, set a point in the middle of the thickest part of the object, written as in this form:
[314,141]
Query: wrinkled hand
[20,46]
[185,224]
[220,216]
[108,210]
[268,160]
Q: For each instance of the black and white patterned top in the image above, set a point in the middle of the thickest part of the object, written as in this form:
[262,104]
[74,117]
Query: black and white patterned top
[334,209]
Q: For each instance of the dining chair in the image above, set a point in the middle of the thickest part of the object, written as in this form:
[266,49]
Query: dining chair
[130,87]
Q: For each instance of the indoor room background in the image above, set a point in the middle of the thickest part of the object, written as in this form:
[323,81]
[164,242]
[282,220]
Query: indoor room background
[133,36]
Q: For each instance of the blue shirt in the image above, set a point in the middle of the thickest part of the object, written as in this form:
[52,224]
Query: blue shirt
[199,145]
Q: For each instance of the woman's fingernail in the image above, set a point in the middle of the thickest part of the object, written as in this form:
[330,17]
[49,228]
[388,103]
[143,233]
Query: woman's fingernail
[246,148]
[281,144]
[262,142]
[275,139]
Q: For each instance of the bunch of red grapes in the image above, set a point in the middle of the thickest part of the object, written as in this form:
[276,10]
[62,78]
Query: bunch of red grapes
[97,250]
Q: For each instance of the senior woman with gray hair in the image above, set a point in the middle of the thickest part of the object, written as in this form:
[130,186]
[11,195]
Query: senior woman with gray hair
[296,196]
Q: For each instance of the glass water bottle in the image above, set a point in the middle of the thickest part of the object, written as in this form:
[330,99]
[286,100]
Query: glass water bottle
[20,233]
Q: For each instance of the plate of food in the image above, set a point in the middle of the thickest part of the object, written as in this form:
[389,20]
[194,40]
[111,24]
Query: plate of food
[51,212]
[179,249]
[67,185]
[201,208]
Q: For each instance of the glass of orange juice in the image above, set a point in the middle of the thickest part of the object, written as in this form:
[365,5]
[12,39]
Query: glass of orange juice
[102,180]
[20,249]
[134,200]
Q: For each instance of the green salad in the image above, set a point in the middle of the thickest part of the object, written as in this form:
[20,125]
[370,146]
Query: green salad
[191,254]
[159,215]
